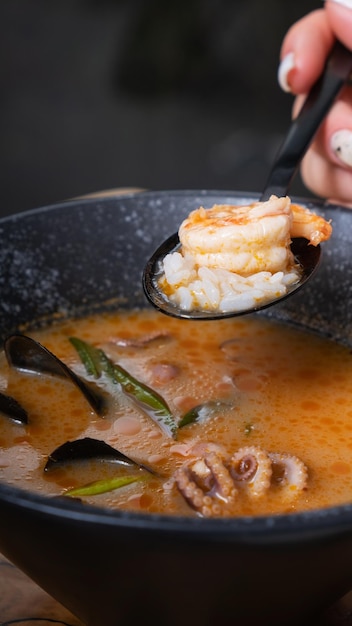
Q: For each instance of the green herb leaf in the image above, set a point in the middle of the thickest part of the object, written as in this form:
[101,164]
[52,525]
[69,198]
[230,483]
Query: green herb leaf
[148,399]
[202,412]
[102,486]
[89,356]
[96,362]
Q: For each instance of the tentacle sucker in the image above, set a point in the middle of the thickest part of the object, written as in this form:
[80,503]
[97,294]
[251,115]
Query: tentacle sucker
[251,466]
[289,472]
[206,484]
[212,483]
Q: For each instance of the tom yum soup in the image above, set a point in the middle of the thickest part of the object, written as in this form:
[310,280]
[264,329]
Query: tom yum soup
[226,418]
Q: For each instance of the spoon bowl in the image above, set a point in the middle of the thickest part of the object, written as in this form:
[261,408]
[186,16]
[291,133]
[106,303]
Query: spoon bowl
[306,256]
[300,135]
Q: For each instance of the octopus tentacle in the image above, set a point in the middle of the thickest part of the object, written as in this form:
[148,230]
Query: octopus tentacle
[206,484]
[224,486]
[211,483]
[289,472]
[251,466]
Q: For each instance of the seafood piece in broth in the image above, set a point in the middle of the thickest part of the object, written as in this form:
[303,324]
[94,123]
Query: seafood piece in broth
[235,428]
[243,239]
[237,257]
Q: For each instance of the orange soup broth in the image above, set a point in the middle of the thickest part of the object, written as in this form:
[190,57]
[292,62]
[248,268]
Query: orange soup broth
[280,388]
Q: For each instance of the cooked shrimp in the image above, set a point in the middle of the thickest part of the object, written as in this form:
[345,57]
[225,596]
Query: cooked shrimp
[250,239]
[242,239]
[309,225]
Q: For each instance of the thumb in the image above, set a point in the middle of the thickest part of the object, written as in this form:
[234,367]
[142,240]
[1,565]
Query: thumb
[339,15]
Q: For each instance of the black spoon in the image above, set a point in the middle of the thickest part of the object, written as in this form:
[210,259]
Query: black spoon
[300,134]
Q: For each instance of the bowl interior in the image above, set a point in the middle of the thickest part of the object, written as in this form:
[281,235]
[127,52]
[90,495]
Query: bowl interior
[87,255]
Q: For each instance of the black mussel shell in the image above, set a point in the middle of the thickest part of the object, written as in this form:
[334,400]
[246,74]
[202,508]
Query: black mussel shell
[10,407]
[85,449]
[26,354]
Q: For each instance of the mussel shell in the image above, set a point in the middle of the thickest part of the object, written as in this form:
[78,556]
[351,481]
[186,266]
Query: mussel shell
[28,355]
[13,409]
[85,449]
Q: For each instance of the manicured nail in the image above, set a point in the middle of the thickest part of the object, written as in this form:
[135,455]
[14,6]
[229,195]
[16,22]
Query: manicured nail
[341,144]
[345,3]
[286,65]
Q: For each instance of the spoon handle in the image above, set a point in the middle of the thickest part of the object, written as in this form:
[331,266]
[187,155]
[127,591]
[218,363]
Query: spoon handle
[303,128]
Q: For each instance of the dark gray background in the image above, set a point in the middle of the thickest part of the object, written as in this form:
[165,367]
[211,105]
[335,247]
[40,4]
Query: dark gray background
[159,94]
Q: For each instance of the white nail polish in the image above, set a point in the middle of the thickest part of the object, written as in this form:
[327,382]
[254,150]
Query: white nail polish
[286,65]
[341,144]
[344,3]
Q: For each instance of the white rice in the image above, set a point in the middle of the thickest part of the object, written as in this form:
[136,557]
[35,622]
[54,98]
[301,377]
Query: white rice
[192,287]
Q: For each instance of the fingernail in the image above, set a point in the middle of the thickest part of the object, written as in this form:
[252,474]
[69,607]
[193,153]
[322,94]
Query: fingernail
[286,65]
[345,3]
[341,144]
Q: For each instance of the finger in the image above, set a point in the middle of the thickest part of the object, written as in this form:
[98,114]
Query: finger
[339,15]
[336,133]
[327,168]
[304,52]
[326,180]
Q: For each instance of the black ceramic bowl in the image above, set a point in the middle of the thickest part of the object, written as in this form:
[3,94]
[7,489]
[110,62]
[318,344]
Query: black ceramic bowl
[122,569]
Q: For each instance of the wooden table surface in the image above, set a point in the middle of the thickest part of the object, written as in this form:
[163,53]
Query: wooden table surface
[22,601]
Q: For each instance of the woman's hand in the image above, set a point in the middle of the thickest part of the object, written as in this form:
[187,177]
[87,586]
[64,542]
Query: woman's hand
[327,167]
